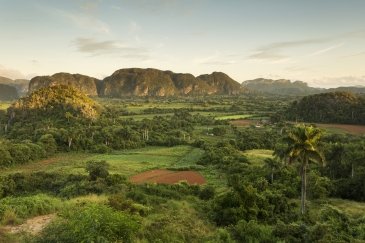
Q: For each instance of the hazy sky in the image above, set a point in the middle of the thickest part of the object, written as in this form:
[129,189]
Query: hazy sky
[321,42]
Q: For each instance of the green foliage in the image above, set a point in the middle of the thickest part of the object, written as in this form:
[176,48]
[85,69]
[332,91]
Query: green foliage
[336,107]
[252,232]
[219,131]
[97,169]
[92,223]
[49,144]
[26,207]
[54,102]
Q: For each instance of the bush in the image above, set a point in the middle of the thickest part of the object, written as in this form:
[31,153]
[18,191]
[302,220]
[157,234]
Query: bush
[29,206]
[253,232]
[49,144]
[92,223]
[5,157]
[97,169]
[101,149]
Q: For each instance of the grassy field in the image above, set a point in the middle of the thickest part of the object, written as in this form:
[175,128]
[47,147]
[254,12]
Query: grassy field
[4,105]
[233,117]
[257,156]
[126,163]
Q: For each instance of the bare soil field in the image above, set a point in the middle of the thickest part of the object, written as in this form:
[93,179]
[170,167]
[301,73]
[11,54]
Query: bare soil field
[353,129]
[242,122]
[168,177]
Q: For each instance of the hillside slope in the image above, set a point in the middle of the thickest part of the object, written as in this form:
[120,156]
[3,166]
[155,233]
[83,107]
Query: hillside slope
[21,85]
[84,83]
[335,107]
[154,82]
[8,92]
[280,87]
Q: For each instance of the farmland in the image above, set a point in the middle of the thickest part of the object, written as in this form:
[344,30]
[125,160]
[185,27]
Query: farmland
[171,163]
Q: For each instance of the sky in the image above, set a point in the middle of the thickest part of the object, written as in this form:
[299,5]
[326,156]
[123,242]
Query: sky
[321,42]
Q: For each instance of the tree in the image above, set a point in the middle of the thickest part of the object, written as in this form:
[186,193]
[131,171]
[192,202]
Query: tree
[303,141]
[273,165]
[354,155]
[97,169]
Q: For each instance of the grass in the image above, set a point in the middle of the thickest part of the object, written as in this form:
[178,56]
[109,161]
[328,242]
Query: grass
[127,163]
[233,117]
[257,156]
[351,208]
[4,105]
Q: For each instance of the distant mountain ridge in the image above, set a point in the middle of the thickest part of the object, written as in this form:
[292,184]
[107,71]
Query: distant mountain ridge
[154,82]
[8,92]
[21,85]
[280,87]
[144,82]
[287,87]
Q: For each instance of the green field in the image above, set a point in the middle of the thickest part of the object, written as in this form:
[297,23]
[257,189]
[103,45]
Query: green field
[4,105]
[126,163]
[233,117]
[257,156]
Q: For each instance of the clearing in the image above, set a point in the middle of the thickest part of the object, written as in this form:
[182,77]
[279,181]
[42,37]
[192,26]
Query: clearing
[32,225]
[168,177]
[352,129]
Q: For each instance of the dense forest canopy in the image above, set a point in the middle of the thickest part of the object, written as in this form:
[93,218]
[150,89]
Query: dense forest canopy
[57,102]
[8,92]
[335,107]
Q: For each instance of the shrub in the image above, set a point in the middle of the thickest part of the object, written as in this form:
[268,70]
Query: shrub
[101,149]
[29,206]
[97,169]
[252,231]
[92,223]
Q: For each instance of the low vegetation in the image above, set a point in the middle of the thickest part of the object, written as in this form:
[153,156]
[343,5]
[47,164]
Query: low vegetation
[122,174]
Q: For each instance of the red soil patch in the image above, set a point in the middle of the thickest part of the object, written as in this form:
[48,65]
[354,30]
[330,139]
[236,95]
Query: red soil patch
[353,129]
[168,177]
[242,122]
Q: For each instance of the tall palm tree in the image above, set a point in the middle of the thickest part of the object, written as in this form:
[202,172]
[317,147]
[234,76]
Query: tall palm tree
[303,143]
[273,165]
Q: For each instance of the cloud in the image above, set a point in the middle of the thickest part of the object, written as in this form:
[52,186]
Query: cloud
[90,5]
[171,7]
[110,47]
[84,21]
[11,73]
[218,59]
[134,27]
[322,51]
[355,54]
[273,52]
[329,82]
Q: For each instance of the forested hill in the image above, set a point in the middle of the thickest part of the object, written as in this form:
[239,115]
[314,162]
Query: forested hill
[144,82]
[84,83]
[8,92]
[60,103]
[280,87]
[334,107]
[295,88]
[21,85]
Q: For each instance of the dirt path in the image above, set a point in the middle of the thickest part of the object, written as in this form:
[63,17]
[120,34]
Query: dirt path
[32,226]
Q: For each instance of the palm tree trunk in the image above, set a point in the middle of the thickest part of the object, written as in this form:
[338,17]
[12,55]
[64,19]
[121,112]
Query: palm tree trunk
[304,187]
[352,170]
